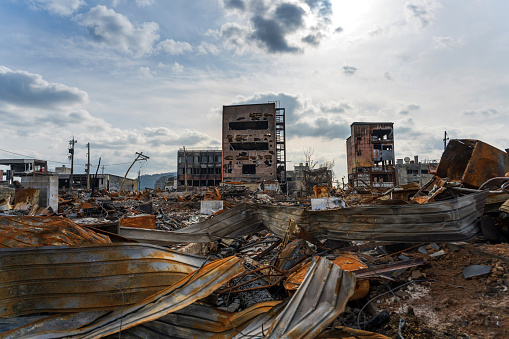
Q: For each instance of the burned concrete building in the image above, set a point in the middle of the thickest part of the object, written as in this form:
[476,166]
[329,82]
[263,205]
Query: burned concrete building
[254,143]
[409,171]
[199,167]
[370,155]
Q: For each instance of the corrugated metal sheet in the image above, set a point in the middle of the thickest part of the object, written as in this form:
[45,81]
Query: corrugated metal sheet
[91,277]
[451,220]
[189,289]
[342,332]
[320,299]
[241,220]
[200,321]
[24,231]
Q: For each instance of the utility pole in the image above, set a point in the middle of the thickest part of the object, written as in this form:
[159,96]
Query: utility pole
[88,167]
[102,168]
[139,180]
[71,157]
[185,167]
[445,139]
[140,155]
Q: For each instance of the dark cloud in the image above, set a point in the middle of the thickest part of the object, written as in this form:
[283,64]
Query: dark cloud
[271,35]
[339,29]
[235,4]
[349,70]
[388,76]
[404,112]
[290,17]
[414,107]
[313,39]
[30,90]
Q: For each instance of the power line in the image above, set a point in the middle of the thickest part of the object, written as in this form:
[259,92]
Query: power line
[30,156]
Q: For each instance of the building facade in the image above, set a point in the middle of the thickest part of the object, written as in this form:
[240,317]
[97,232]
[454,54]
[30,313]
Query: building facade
[253,142]
[199,167]
[409,171]
[370,155]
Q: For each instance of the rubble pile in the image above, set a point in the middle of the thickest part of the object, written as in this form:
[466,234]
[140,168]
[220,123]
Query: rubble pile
[230,262]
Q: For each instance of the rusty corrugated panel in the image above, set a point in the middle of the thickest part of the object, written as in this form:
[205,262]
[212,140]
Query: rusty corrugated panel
[472,162]
[451,220]
[241,220]
[92,277]
[25,231]
[347,262]
[189,289]
[198,321]
[145,221]
[320,299]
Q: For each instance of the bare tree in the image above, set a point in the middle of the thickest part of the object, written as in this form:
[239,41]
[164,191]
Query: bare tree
[308,153]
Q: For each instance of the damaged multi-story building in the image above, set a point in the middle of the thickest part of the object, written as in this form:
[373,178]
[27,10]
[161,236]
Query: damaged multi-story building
[254,143]
[409,171]
[198,167]
[370,155]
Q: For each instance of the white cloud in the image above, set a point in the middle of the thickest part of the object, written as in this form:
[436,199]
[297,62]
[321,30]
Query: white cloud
[145,3]
[115,31]
[175,47]
[145,73]
[207,48]
[60,7]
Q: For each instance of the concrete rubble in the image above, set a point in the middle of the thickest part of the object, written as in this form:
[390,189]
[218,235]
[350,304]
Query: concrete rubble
[238,262]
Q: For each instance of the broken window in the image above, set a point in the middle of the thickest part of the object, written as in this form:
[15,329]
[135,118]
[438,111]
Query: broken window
[181,159]
[249,146]
[424,171]
[196,158]
[227,168]
[203,158]
[248,169]
[245,125]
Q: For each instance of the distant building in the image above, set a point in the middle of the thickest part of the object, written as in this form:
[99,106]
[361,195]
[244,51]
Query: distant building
[302,180]
[199,167]
[415,171]
[254,143]
[108,182]
[370,155]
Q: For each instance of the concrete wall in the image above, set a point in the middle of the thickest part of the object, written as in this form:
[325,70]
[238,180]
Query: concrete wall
[48,189]
[249,143]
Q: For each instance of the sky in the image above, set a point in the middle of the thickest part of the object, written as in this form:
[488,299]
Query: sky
[152,76]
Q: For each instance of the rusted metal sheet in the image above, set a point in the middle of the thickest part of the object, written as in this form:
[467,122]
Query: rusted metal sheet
[26,195]
[472,162]
[241,220]
[189,289]
[347,262]
[320,299]
[145,221]
[25,231]
[452,220]
[198,321]
[91,277]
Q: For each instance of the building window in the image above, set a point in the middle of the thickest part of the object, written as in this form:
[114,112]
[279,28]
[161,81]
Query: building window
[424,171]
[204,158]
[181,159]
[248,169]
[196,158]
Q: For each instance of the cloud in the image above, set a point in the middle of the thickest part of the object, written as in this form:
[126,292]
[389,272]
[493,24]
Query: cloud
[481,113]
[446,42]
[207,48]
[115,31]
[388,76]
[270,34]
[59,7]
[235,4]
[421,12]
[145,73]
[278,26]
[175,47]
[349,70]
[411,107]
[145,3]
[339,29]
[24,89]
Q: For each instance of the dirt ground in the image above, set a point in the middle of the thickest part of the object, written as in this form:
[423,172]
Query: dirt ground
[442,303]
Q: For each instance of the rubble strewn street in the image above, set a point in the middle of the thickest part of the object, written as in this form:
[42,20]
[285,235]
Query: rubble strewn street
[412,261]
